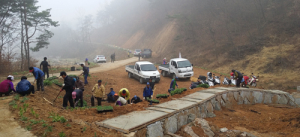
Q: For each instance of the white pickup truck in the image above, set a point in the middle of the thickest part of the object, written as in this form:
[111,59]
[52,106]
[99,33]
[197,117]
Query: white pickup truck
[143,71]
[177,67]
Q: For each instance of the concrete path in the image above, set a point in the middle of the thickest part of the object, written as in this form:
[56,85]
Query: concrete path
[101,68]
[204,101]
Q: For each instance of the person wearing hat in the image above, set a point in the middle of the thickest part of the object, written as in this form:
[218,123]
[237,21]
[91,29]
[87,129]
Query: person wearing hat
[39,77]
[135,99]
[124,92]
[174,83]
[85,73]
[148,92]
[77,95]
[45,67]
[24,87]
[238,76]
[110,95]
[119,100]
[68,87]
[79,84]
[6,86]
[98,93]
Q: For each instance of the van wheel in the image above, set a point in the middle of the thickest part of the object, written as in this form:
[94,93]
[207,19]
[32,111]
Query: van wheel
[164,74]
[141,80]
[129,75]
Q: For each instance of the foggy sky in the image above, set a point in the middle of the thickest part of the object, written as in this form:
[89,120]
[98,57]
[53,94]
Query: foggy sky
[70,11]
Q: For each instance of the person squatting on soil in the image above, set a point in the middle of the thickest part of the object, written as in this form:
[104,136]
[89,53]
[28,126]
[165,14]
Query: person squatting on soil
[45,67]
[238,76]
[39,77]
[69,87]
[195,84]
[99,92]
[85,73]
[246,79]
[79,84]
[77,95]
[148,92]
[24,87]
[135,99]
[124,92]
[110,95]
[6,86]
[119,100]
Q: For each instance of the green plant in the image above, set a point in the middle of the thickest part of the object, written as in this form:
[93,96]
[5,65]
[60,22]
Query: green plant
[24,99]
[45,125]
[23,118]
[57,82]
[51,78]
[95,134]
[62,134]
[47,82]
[153,100]
[68,125]
[57,118]
[15,106]
[28,128]
[161,95]
[12,103]
[60,97]
[177,91]
[203,85]
[34,121]
[25,107]
[49,128]
[84,103]
[17,97]
[21,112]
[101,108]
[84,129]
[15,73]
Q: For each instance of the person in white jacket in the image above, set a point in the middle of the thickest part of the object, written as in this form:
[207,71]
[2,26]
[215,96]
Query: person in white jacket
[119,100]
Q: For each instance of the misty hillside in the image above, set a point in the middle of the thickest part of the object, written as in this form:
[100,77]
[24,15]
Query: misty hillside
[260,36]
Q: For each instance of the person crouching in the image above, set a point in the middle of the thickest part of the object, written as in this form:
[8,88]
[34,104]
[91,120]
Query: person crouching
[77,95]
[24,87]
[120,101]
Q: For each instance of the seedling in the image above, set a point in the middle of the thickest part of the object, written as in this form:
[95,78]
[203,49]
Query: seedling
[84,129]
[177,91]
[15,106]
[24,99]
[23,118]
[47,82]
[60,97]
[104,109]
[21,112]
[57,118]
[62,134]
[45,125]
[25,107]
[84,103]
[50,128]
[95,134]
[162,96]
[203,85]
[17,97]
[12,103]
[28,128]
[153,100]
[34,121]
[68,125]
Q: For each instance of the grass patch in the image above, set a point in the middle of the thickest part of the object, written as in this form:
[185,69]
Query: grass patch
[102,108]
[162,95]
[153,100]
[178,91]
[57,118]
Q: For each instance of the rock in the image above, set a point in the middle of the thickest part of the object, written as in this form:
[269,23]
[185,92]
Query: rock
[213,102]
[290,100]
[217,106]
[275,99]
[283,100]
[236,95]
[203,110]
[246,101]
[224,97]
[182,120]
[190,131]
[268,98]
[205,126]
[191,118]
[171,124]
[210,110]
[223,129]
[258,97]
[240,100]
[155,130]
[246,134]
[223,103]
[131,134]
[298,88]
[296,96]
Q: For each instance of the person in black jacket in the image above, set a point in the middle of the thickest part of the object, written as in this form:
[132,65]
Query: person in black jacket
[238,76]
[152,84]
[135,99]
[45,67]
[69,87]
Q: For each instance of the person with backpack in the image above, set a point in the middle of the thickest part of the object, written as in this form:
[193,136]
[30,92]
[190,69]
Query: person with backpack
[238,76]
[110,95]
[148,92]
[6,86]
[45,67]
[98,93]
[39,77]
[24,87]
[68,87]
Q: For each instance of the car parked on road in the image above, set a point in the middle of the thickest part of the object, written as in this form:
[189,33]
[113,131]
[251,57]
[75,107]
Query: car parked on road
[137,52]
[143,71]
[147,53]
[100,59]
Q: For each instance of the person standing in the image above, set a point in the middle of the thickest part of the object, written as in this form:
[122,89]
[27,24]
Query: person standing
[164,61]
[174,83]
[45,67]
[24,87]
[238,76]
[85,73]
[99,92]
[6,86]
[111,58]
[124,92]
[68,87]
[39,77]
[139,56]
[152,84]
[148,92]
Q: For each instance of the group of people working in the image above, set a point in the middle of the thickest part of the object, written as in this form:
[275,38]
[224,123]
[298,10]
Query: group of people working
[240,78]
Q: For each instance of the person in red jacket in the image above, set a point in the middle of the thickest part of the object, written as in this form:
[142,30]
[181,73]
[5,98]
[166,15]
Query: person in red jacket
[6,86]
[246,78]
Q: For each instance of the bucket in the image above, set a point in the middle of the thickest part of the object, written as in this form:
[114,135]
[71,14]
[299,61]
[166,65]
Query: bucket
[73,68]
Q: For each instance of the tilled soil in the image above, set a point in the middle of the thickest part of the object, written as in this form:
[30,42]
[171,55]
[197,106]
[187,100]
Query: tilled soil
[260,120]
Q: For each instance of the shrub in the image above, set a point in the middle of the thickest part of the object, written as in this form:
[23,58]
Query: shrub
[203,86]
[178,91]
[47,82]
[153,100]
[162,95]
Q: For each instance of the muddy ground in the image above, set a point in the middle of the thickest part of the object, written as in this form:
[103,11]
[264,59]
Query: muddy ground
[81,121]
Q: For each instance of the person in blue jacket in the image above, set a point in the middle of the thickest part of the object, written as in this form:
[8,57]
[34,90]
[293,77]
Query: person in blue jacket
[148,92]
[110,95]
[39,77]
[24,87]
[174,83]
